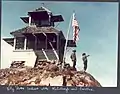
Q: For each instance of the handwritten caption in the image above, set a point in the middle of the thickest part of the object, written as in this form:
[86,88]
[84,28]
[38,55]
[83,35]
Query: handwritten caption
[65,89]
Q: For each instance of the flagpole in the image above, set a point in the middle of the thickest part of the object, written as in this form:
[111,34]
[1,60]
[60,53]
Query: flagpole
[65,48]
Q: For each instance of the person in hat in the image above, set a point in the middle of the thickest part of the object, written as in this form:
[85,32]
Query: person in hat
[84,58]
[73,58]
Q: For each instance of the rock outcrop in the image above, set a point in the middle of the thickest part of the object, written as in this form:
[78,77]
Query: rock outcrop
[46,74]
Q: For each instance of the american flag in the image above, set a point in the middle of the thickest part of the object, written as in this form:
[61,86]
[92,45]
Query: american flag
[76,28]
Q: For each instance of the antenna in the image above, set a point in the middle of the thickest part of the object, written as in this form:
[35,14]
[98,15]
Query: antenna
[43,4]
[45,7]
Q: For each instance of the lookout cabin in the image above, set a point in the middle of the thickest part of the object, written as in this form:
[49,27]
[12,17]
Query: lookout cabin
[39,39]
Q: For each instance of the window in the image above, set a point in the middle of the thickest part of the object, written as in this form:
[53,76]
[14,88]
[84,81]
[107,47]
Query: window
[45,22]
[19,43]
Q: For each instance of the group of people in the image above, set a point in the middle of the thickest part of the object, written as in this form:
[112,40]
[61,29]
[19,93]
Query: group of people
[84,59]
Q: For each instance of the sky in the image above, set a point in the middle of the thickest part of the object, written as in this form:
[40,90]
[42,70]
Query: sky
[98,35]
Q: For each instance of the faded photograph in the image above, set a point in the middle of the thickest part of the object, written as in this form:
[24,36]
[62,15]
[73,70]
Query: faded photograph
[59,43]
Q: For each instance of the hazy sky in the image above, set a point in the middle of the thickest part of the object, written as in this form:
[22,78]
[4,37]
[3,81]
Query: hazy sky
[98,35]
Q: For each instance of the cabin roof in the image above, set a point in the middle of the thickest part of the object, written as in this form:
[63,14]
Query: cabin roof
[42,13]
[25,19]
[9,41]
[71,43]
[41,9]
[55,18]
[30,29]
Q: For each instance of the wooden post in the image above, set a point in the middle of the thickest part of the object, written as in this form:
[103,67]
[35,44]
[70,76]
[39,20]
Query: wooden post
[45,54]
[57,41]
[35,42]
[29,21]
[14,42]
[65,48]
[64,81]
[25,43]
[46,42]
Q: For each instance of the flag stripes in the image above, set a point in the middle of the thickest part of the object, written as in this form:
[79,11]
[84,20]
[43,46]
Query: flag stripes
[76,28]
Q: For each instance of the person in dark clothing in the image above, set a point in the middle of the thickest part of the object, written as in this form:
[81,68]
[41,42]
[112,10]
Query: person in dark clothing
[84,58]
[73,58]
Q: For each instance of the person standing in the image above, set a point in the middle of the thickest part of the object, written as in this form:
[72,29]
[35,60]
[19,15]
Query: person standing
[73,58]
[84,58]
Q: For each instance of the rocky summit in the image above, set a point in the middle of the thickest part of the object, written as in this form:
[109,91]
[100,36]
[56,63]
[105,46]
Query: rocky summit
[46,74]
